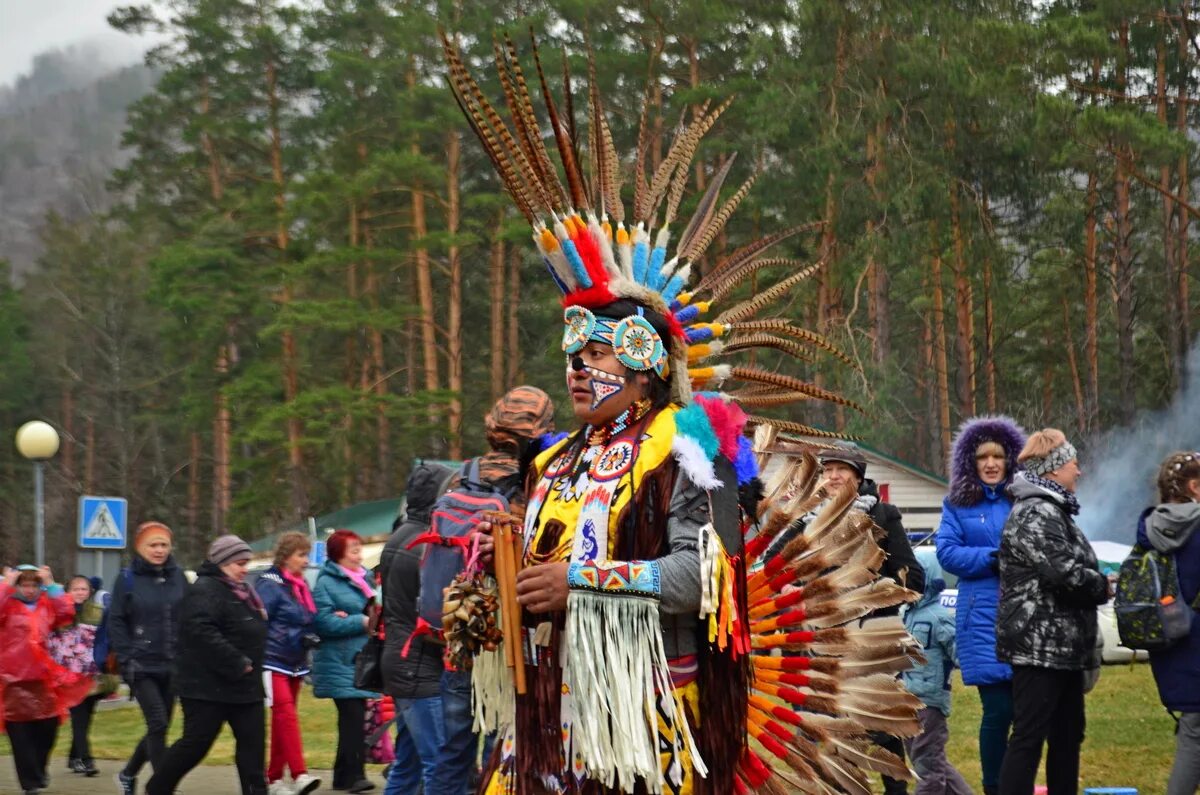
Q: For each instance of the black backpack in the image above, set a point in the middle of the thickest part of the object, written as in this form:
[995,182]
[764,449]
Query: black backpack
[101,651]
[1151,613]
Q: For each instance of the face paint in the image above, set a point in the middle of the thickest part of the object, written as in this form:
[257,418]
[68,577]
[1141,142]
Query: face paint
[603,384]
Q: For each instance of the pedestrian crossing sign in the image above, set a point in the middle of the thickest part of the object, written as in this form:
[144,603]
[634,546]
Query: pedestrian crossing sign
[102,522]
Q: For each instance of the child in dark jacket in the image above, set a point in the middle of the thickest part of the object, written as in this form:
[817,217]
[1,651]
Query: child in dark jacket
[290,614]
[932,626]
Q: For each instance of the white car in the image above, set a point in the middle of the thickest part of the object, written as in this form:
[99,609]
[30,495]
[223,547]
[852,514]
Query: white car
[1113,651]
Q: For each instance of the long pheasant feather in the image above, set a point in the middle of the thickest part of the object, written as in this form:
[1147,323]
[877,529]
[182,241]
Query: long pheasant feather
[529,120]
[702,215]
[750,251]
[792,383]
[561,135]
[713,226]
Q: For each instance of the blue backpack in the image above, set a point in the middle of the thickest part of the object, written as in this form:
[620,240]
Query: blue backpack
[101,653]
[447,541]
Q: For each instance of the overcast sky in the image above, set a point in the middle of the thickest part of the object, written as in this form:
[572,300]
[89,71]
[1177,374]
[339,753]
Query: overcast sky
[28,27]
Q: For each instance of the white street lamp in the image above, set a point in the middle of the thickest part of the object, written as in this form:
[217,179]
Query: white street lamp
[38,441]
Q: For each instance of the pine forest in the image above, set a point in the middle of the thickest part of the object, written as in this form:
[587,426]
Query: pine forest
[301,273]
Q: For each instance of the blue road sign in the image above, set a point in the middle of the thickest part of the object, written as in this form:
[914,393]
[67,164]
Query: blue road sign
[317,556]
[103,522]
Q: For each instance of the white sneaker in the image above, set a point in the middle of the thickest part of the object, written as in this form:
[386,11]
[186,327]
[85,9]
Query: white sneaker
[303,784]
[279,788]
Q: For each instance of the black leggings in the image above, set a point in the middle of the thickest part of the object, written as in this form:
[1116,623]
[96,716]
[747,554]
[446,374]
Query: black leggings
[32,741]
[349,764]
[81,724]
[154,696]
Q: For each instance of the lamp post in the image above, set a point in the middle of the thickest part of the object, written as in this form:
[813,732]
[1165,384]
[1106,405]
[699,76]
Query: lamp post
[38,441]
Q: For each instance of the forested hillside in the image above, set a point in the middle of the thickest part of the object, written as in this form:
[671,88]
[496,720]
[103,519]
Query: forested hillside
[312,277]
[60,136]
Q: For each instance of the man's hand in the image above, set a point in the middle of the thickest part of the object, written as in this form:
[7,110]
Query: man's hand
[487,544]
[46,575]
[543,589]
[10,576]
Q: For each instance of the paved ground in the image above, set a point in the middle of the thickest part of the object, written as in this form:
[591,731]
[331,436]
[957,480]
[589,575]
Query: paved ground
[204,780]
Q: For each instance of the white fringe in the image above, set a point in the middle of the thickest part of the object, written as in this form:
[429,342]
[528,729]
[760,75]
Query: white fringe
[493,694]
[615,665]
[709,587]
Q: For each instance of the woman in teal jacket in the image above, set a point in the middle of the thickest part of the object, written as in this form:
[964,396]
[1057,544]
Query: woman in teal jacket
[344,595]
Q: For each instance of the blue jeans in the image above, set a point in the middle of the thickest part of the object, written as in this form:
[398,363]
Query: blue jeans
[419,737]
[456,759]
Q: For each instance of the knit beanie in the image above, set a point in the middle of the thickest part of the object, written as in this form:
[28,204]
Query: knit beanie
[147,532]
[227,549]
[1047,451]
[848,455]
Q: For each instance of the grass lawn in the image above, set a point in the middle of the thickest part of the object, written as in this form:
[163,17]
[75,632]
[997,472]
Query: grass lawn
[1130,739]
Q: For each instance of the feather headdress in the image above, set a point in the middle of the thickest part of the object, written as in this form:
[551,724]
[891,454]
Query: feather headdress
[596,254]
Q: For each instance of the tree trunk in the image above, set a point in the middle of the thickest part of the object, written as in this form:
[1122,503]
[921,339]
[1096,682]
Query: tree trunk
[68,437]
[193,489]
[829,307]
[1182,271]
[1076,383]
[89,456]
[425,299]
[989,317]
[496,309]
[926,396]
[1091,304]
[291,378]
[939,343]
[351,366]
[222,491]
[454,314]
[515,374]
[963,313]
[385,471]
[1124,254]
[878,279]
[1168,210]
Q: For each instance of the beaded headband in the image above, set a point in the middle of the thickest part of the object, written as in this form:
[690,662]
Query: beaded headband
[637,345]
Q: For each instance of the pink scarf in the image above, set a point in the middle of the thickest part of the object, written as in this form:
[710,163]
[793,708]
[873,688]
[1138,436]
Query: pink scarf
[359,577]
[300,589]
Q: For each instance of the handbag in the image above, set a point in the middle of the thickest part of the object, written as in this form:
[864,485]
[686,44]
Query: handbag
[368,663]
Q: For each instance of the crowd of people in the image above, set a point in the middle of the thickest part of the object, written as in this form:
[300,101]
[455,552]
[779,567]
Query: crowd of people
[1024,633]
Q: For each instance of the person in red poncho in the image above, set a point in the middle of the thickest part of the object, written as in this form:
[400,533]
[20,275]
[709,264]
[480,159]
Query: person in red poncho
[35,691]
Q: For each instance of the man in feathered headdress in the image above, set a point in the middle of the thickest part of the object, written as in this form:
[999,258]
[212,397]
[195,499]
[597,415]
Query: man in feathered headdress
[638,620]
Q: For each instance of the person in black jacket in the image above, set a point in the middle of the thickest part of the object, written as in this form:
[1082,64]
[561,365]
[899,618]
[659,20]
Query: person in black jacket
[412,679]
[1046,627]
[218,672]
[143,624]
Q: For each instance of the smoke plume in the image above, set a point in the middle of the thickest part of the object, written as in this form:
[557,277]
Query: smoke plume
[1119,468]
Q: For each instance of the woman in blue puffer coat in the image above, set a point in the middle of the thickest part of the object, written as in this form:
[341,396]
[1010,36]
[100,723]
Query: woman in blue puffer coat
[982,463]
[342,594]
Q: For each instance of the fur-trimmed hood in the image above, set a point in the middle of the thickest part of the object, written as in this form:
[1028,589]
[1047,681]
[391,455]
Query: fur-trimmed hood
[965,488]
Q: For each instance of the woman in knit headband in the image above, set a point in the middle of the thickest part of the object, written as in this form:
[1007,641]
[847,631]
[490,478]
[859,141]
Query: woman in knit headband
[1050,586]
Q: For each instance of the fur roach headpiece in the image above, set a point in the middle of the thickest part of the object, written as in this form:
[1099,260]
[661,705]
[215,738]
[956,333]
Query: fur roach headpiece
[596,255]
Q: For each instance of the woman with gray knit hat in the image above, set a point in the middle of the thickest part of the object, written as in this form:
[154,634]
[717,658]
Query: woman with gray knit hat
[218,672]
[1050,586]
